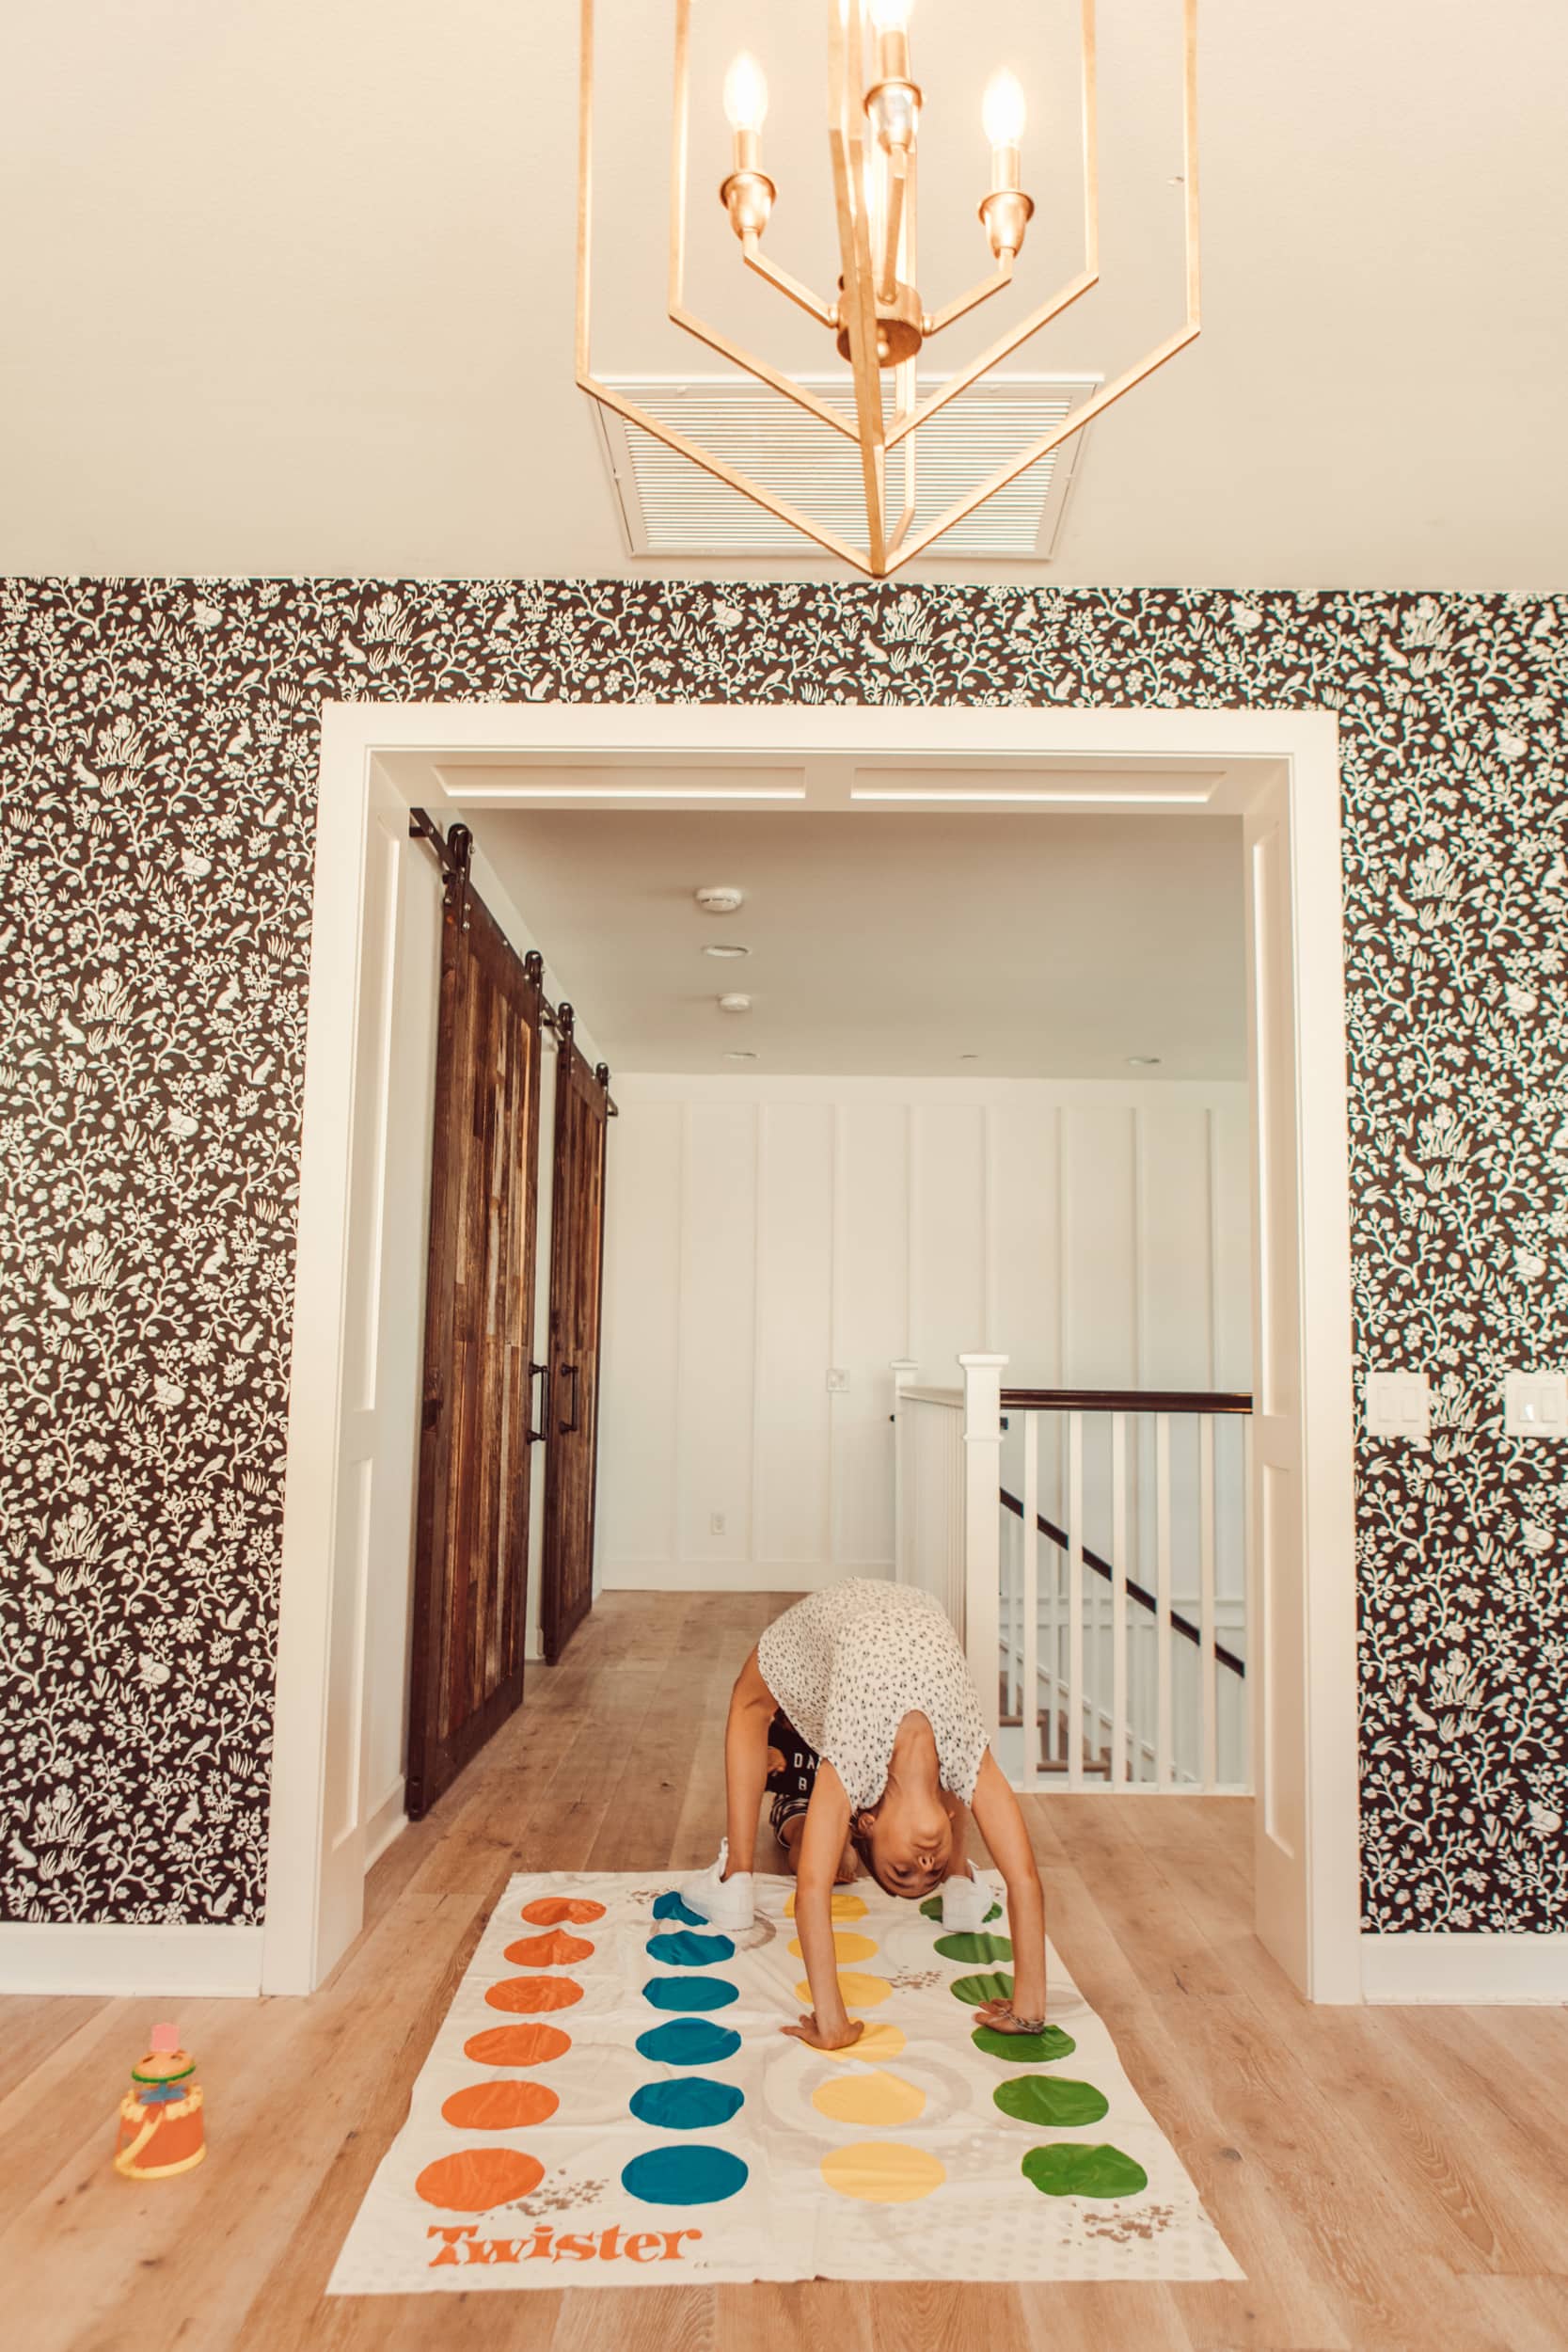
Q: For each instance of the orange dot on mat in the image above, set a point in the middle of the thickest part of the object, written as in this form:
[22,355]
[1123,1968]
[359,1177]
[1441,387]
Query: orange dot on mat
[500,2106]
[476,2178]
[525,1996]
[516,2045]
[559,1910]
[547,1951]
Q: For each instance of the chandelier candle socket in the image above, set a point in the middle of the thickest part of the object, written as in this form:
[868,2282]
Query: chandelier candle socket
[1007,210]
[877,316]
[748,193]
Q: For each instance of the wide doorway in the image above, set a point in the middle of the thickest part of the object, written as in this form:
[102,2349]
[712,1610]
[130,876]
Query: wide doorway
[965,802]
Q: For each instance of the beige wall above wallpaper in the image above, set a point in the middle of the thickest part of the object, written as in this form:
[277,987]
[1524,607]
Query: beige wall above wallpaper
[158,748]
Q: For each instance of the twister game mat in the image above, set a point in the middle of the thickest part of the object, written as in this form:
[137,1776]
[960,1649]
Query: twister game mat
[609,2102]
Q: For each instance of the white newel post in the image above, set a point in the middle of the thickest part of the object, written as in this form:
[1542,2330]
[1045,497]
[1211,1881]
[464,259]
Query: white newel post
[904,1370]
[982,1525]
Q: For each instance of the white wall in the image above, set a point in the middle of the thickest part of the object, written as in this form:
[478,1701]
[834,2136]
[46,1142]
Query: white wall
[761,1231]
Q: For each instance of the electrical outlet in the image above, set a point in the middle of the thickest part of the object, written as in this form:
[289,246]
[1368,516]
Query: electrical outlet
[1398,1405]
[717,1524]
[838,1380]
[1535,1405]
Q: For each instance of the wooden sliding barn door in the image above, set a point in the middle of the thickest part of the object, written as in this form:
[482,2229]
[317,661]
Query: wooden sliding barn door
[471,1580]
[577,1281]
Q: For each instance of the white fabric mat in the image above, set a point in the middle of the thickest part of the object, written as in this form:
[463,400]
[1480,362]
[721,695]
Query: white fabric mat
[731,2152]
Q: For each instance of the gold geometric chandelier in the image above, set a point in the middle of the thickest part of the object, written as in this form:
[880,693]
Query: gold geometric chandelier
[878,320]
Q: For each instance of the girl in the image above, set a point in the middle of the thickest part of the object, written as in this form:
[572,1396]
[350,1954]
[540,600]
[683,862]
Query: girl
[891,1748]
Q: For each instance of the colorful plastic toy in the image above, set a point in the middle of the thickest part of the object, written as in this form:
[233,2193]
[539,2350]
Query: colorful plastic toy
[161,2129]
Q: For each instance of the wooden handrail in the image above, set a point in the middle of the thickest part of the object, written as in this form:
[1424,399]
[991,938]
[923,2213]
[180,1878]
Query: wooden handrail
[1125,1401]
[1138,1593]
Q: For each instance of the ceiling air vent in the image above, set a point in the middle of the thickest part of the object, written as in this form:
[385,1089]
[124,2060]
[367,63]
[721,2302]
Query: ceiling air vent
[670,507]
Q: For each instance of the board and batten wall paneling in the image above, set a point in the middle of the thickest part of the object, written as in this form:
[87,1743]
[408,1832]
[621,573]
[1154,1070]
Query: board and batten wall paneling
[871,1299]
[791,1440]
[763,1231]
[716,1390]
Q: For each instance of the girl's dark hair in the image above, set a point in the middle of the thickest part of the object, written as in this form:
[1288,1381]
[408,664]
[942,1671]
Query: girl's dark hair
[860,1837]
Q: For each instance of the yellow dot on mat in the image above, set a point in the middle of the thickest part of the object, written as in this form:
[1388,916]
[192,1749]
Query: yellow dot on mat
[882,2172]
[844,1948]
[844,1907]
[873,2098]
[874,2044]
[857,1992]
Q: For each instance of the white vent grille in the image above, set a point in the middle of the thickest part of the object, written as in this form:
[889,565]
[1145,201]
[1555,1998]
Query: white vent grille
[672,507]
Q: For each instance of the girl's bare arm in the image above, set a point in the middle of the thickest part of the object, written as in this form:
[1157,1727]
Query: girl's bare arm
[828,2028]
[1000,1821]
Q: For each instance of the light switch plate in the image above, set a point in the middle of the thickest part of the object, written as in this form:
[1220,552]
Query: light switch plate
[1398,1405]
[838,1380]
[1535,1405]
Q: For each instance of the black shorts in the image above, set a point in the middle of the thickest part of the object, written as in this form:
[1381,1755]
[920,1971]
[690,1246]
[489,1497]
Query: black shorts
[791,1773]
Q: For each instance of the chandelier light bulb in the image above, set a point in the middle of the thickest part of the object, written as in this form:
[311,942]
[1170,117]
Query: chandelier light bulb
[1003,111]
[745,94]
[891,16]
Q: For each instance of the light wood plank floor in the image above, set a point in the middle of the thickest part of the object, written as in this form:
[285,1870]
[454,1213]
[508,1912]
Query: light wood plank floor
[1386,2178]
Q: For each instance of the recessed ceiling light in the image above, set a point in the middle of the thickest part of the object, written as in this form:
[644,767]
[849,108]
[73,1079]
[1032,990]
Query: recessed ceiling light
[719,898]
[1144,1061]
[725,947]
[735,1004]
[969,1056]
[739,1053]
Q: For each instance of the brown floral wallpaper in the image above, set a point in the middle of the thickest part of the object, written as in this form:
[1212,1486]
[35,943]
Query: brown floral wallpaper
[157,762]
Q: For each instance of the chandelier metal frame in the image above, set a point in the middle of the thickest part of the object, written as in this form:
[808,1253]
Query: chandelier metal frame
[875,305]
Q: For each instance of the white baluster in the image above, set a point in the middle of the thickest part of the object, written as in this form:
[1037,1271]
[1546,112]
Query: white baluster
[1162,1595]
[1030,1708]
[1053,1604]
[1207,1672]
[1118,1599]
[1075,1602]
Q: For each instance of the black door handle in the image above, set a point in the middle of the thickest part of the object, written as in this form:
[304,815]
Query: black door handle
[532,1436]
[573,1374]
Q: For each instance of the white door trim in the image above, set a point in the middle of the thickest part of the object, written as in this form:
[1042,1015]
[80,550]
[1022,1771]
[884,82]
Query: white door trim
[1247,751]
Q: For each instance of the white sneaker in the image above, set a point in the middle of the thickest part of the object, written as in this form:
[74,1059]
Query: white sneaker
[966,1902]
[726,1903]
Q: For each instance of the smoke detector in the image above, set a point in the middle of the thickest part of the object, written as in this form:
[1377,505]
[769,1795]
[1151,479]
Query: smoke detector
[720,898]
[735,1004]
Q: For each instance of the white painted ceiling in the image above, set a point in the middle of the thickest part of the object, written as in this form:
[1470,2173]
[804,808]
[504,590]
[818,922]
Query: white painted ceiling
[287,286]
[1046,945]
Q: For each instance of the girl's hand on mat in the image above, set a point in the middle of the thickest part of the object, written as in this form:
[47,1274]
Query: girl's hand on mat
[1002,2018]
[818,2038]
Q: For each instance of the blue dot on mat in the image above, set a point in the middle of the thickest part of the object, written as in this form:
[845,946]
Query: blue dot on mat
[685,1950]
[670,1907]
[690,1993]
[689,2103]
[688,2042]
[684,2176]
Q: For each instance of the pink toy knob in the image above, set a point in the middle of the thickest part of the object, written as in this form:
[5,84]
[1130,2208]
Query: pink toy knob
[165,2038]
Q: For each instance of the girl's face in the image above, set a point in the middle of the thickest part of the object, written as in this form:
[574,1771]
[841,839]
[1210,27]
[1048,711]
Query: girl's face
[910,1842]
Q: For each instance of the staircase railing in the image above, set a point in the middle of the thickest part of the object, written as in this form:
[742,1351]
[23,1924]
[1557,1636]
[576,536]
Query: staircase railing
[1100,1663]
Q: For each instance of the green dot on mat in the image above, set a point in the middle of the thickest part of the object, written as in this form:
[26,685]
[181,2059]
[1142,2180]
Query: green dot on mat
[1050,2099]
[974,1992]
[1051,2044]
[975,1948]
[1065,2169]
[931,1909]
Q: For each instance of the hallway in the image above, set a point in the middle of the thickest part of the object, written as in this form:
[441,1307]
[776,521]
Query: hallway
[1388,2177]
